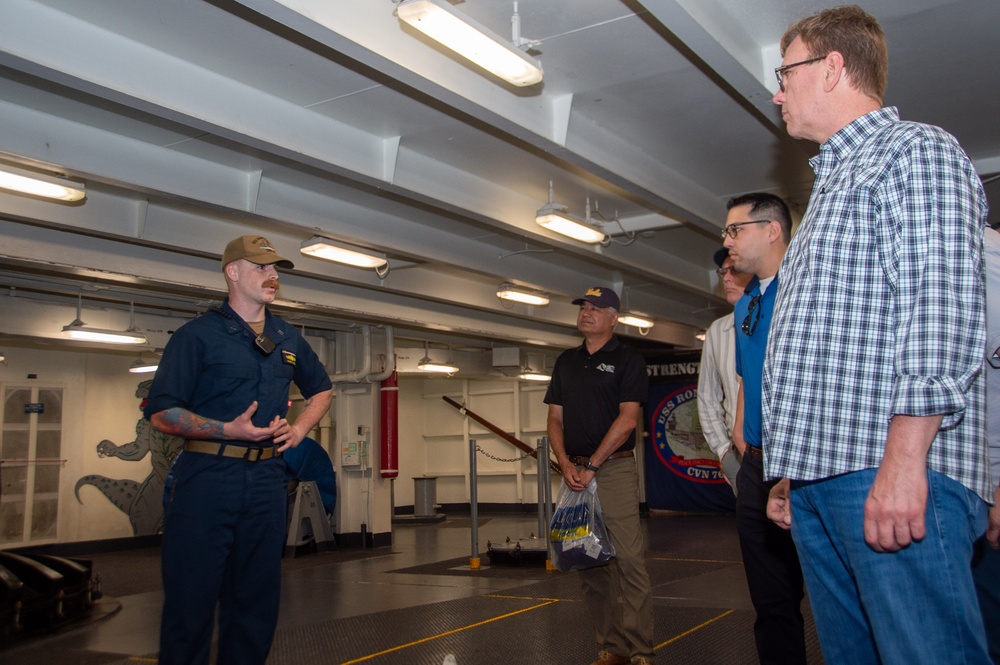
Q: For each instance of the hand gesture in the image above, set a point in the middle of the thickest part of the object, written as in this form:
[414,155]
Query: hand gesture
[242,428]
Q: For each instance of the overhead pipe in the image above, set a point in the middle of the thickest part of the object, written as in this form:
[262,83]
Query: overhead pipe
[364,373]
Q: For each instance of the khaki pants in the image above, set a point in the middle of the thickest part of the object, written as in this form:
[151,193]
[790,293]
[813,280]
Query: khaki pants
[619,595]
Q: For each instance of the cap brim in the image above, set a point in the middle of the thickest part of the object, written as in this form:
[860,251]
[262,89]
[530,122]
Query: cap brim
[273,261]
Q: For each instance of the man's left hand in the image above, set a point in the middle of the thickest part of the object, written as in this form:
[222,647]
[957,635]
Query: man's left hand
[286,435]
[895,508]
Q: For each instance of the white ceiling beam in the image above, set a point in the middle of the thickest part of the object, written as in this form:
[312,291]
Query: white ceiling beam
[366,32]
[724,48]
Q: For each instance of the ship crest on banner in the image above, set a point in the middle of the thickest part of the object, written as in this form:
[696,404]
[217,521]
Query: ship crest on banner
[679,442]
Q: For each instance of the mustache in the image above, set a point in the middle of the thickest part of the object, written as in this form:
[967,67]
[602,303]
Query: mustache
[271,283]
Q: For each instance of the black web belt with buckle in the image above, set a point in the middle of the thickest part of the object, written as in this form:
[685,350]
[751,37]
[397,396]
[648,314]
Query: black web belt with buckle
[246,453]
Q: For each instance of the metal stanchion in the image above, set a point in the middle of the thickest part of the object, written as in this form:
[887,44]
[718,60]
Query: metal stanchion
[474,562]
[541,457]
[546,492]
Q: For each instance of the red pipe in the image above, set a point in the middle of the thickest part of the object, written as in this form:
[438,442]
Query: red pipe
[389,444]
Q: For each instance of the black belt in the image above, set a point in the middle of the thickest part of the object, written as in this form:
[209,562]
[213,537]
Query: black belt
[247,453]
[754,451]
[581,461]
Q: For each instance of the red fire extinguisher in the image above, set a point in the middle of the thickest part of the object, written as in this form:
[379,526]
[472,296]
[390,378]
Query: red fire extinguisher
[389,394]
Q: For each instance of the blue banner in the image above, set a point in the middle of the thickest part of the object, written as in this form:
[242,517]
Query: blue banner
[682,472]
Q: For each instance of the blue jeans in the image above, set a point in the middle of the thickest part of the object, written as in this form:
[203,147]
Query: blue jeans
[917,605]
[986,574]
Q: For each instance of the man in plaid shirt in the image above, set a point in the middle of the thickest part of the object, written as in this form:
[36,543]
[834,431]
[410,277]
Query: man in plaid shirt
[873,403]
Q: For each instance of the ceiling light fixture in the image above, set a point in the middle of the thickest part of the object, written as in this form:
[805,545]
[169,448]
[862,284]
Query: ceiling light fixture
[340,252]
[634,320]
[39,184]
[143,366]
[80,331]
[445,24]
[427,365]
[531,375]
[555,217]
[522,295]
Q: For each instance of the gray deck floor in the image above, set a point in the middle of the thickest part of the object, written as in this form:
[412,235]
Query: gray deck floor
[417,601]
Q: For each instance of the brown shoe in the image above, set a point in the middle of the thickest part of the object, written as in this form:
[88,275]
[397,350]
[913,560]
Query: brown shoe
[605,657]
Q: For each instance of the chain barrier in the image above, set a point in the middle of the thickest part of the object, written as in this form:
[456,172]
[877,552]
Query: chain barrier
[501,459]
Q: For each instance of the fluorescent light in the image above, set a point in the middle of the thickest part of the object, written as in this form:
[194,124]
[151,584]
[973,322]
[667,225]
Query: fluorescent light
[79,330]
[38,184]
[331,250]
[522,295]
[553,217]
[425,364]
[531,375]
[143,366]
[633,320]
[428,365]
[443,23]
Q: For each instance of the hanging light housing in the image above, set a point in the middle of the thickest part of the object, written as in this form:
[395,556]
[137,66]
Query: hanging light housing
[427,365]
[529,374]
[80,331]
[143,365]
[634,320]
[340,252]
[555,217]
[454,30]
[520,294]
[46,186]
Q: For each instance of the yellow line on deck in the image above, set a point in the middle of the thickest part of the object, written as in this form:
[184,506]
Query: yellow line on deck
[691,630]
[446,633]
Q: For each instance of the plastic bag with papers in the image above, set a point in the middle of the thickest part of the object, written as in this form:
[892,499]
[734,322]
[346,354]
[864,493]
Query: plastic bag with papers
[578,536]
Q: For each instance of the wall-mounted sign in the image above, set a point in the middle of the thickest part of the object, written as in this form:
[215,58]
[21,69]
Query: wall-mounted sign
[34,407]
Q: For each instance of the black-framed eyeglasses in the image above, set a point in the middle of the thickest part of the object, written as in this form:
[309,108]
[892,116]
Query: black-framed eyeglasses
[779,71]
[733,230]
[721,272]
[753,316]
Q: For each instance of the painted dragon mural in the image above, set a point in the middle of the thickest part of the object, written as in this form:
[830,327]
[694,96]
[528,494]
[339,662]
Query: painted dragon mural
[141,502]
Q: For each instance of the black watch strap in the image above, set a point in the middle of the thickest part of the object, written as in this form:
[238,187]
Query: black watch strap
[591,467]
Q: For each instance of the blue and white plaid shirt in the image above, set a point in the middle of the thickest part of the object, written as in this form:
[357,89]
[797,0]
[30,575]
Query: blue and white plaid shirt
[880,310]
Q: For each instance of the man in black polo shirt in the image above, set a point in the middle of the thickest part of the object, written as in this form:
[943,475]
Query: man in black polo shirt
[595,397]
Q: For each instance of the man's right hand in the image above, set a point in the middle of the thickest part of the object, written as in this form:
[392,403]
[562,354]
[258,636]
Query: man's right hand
[242,428]
[779,504]
[571,475]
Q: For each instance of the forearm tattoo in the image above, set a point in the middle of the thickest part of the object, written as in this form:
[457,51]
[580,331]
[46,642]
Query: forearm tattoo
[181,422]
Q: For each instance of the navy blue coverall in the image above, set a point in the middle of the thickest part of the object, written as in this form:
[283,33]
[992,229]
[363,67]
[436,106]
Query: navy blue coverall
[224,528]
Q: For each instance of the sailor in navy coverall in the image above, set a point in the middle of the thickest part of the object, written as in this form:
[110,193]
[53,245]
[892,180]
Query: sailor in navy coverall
[223,385]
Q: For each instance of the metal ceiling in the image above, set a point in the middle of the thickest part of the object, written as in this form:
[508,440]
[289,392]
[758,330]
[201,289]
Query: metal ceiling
[193,122]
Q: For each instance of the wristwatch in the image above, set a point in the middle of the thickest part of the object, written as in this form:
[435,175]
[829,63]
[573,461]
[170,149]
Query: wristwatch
[590,467]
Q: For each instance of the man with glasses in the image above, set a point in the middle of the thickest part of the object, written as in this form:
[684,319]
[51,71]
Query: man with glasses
[757,232]
[717,382]
[873,391]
